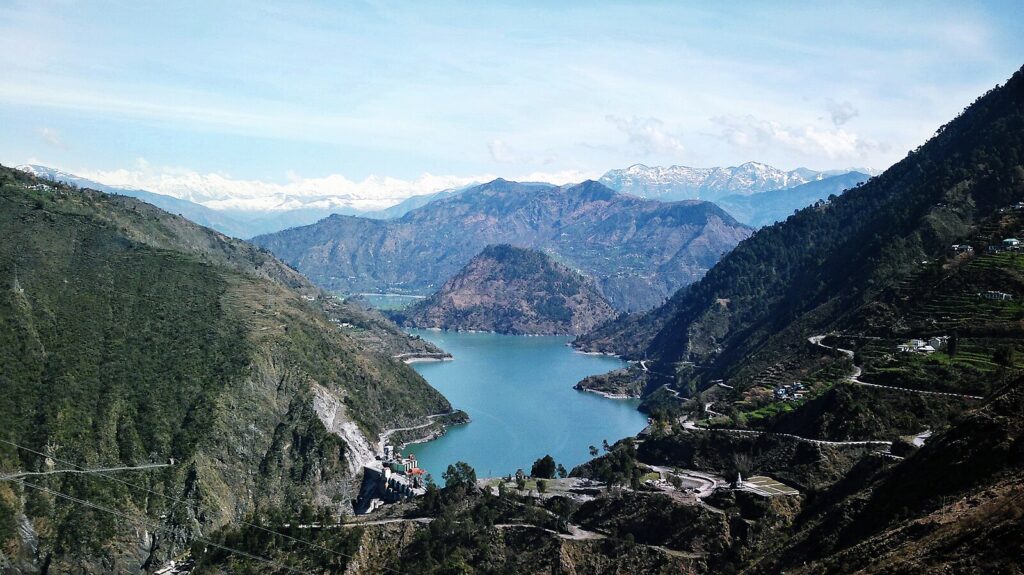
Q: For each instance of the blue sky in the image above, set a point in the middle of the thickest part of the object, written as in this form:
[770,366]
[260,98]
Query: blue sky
[174,94]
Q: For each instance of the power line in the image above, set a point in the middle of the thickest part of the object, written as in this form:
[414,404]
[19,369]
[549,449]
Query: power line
[177,500]
[155,526]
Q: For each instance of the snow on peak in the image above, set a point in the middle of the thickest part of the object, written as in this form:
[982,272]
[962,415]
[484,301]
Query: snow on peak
[684,182]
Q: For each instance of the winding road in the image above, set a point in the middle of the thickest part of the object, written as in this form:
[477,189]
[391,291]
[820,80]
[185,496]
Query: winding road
[383,439]
[857,371]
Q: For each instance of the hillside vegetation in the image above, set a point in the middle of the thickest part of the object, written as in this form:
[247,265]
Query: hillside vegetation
[638,251]
[130,337]
[515,291]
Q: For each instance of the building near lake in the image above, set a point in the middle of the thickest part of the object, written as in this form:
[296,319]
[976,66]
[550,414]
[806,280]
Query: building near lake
[996,295]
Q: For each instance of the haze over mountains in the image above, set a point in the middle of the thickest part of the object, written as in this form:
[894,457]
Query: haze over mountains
[639,251]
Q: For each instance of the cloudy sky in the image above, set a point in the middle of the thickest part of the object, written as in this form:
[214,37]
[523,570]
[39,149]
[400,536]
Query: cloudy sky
[390,98]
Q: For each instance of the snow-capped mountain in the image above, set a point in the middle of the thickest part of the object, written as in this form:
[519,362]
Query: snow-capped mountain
[686,183]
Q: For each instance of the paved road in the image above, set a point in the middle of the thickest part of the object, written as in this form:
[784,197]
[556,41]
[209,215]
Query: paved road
[857,371]
[83,471]
[382,441]
[687,424]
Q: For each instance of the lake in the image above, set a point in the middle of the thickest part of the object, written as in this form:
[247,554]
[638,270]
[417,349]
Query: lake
[518,390]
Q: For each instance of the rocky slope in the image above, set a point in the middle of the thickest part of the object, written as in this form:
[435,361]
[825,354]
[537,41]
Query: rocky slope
[220,379]
[638,250]
[686,183]
[515,291]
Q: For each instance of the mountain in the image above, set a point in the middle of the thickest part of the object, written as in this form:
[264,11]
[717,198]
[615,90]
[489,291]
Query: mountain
[638,251]
[766,208]
[233,222]
[875,267]
[198,213]
[513,290]
[212,378]
[409,204]
[685,183]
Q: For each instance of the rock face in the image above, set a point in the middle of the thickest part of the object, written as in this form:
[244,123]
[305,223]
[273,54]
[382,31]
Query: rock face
[639,251]
[517,291]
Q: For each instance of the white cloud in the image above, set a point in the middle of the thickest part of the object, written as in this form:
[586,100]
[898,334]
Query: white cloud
[841,112]
[221,191]
[501,153]
[649,135]
[749,132]
[53,138]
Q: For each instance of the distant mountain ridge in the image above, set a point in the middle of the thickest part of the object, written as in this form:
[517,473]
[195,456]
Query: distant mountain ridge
[231,221]
[514,291]
[828,262]
[639,251]
[766,208]
[687,183]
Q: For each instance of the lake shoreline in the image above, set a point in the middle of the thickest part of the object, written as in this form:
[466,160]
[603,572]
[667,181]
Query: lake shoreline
[519,391]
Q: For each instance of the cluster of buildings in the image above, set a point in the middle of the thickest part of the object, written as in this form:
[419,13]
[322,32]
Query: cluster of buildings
[996,295]
[923,345]
[405,466]
[1007,245]
[396,478]
[790,391]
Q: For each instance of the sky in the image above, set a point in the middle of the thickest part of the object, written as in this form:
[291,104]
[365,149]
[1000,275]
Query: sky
[223,101]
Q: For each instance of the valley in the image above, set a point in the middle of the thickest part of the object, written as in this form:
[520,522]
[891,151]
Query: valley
[638,251]
[541,289]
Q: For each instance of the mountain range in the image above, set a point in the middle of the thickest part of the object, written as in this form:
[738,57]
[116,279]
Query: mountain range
[512,290]
[766,208]
[639,251]
[686,183]
[238,223]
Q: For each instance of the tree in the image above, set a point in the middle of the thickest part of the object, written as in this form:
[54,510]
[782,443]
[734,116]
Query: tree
[593,451]
[459,475]
[542,486]
[543,467]
[562,472]
[520,480]
[1004,355]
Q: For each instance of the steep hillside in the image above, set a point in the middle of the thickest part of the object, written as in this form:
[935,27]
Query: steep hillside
[686,183]
[956,506]
[513,290]
[638,250]
[766,208]
[221,380]
[821,267]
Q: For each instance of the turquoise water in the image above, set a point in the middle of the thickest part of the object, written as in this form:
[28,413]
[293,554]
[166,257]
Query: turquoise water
[518,391]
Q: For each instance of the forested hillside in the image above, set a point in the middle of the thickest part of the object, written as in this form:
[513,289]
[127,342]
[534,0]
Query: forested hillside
[516,291]
[222,380]
[639,251]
